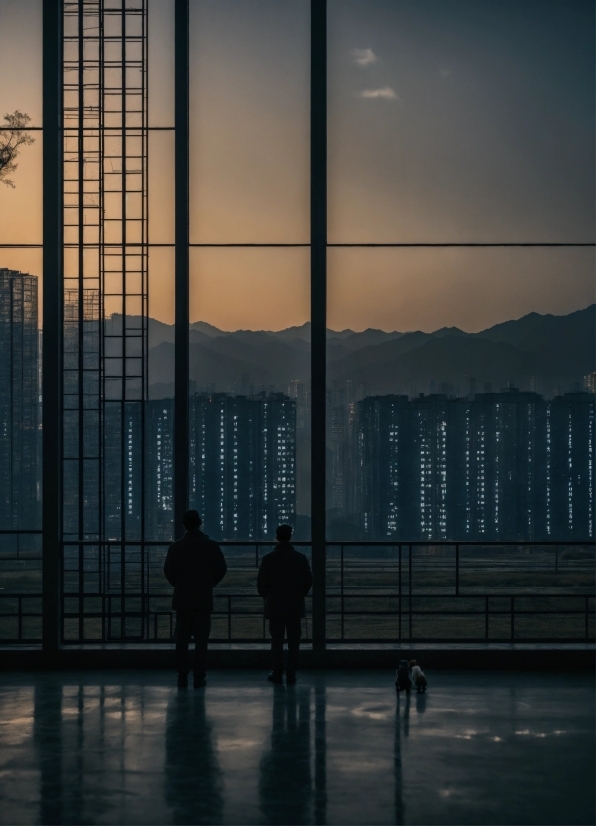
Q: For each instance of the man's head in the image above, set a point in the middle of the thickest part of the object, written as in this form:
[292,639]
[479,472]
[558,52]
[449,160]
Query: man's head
[191,520]
[283,533]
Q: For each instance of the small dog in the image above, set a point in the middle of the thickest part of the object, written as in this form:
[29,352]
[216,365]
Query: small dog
[418,678]
[403,681]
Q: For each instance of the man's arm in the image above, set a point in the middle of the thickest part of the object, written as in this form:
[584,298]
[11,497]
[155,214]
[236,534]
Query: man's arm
[169,567]
[263,579]
[219,566]
[307,577]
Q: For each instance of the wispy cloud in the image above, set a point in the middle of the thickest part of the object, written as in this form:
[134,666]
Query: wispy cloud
[364,57]
[387,93]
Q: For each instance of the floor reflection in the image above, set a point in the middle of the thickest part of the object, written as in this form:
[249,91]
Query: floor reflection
[320,754]
[339,748]
[421,703]
[285,782]
[47,736]
[193,778]
[397,767]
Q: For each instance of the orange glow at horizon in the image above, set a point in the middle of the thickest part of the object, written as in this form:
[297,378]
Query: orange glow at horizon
[249,184]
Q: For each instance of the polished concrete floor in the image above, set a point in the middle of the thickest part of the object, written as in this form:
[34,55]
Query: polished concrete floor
[339,747]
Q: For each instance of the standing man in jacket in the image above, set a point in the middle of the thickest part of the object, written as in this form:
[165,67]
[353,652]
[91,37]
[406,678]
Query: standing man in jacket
[194,566]
[284,580]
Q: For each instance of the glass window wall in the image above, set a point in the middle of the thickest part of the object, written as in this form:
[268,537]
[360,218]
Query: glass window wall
[21,143]
[444,306]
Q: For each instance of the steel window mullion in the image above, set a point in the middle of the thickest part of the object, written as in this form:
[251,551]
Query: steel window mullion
[318,297]
[52,323]
[181,363]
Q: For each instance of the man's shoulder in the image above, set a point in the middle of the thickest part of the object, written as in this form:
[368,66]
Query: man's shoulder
[177,543]
[297,552]
[287,551]
[194,539]
[206,543]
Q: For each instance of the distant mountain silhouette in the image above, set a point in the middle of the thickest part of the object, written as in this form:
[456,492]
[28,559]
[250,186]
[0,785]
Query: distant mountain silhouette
[206,329]
[368,358]
[205,367]
[556,349]
[357,340]
[282,362]
[560,341]
[450,331]
[451,359]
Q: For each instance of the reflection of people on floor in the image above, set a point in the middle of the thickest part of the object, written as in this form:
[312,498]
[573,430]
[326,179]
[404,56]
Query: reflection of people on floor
[406,715]
[193,778]
[421,703]
[320,813]
[285,785]
[397,768]
[48,737]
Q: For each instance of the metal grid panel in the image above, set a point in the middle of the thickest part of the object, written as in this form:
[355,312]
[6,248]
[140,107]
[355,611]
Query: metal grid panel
[105,340]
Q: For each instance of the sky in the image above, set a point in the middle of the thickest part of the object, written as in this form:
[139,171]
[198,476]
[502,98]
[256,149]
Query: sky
[448,121]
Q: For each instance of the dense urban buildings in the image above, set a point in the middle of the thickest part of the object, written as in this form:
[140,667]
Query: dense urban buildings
[242,467]
[494,466]
[510,465]
[243,463]
[20,493]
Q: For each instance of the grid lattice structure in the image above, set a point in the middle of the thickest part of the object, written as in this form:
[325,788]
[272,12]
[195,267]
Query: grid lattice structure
[105,293]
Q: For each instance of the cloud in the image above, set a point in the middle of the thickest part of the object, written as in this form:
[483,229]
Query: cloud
[444,73]
[364,57]
[386,92]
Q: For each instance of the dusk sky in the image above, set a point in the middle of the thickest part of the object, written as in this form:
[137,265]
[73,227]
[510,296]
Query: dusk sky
[449,121]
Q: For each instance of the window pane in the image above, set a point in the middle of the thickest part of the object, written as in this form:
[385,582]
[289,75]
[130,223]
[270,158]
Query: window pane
[20,107]
[159,408]
[161,186]
[21,58]
[20,444]
[21,202]
[20,389]
[250,390]
[461,122]
[160,47]
[249,113]
[461,392]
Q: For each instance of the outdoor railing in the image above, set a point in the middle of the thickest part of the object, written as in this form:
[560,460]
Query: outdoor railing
[376,593]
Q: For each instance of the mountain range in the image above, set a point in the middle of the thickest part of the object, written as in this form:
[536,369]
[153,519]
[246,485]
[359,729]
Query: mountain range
[554,350]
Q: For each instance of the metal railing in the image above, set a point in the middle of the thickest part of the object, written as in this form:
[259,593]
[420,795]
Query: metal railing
[376,592]
[20,587]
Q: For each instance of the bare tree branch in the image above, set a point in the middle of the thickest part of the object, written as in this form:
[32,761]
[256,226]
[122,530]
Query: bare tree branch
[12,137]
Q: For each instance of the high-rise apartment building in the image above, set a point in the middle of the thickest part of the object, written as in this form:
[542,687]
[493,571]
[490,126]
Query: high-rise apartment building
[159,469]
[19,401]
[384,460]
[498,466]
[570,467]
[243,463]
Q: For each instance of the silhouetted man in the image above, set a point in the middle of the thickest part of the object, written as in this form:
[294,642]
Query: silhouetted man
[284,580]
[194,566]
